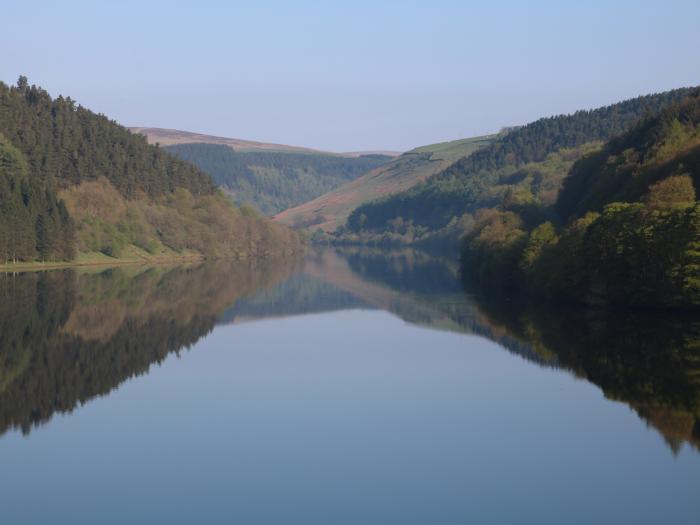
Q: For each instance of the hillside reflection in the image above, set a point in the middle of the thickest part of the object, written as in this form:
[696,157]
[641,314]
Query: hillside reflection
[67,336]
[650,361]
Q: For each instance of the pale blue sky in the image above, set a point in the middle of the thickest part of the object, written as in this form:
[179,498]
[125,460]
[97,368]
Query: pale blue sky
[348,75]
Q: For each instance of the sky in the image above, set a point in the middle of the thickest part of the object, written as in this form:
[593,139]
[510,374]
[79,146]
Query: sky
[348,75]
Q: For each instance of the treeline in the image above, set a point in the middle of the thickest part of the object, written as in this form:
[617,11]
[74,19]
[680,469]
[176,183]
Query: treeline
[643,252]
[34,223]
[470,183]
[625,167]
[272,181]
[66,144]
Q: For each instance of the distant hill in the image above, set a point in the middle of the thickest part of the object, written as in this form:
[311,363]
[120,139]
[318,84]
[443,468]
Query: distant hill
[76,183]
[170,137]
[273,181]
[332,209]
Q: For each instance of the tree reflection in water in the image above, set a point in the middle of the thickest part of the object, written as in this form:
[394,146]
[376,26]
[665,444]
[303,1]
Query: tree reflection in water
[67,336]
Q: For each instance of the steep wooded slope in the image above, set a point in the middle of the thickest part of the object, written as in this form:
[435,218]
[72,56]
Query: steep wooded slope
[123,197]
[625,229]
[461,188]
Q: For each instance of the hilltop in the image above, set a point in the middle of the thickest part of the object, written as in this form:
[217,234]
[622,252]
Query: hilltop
[171,137]
[331,210]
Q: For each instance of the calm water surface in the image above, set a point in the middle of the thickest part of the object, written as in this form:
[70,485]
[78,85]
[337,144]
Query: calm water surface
[352,387]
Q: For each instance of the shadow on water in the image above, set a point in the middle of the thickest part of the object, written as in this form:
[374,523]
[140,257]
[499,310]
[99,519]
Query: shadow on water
[66,336]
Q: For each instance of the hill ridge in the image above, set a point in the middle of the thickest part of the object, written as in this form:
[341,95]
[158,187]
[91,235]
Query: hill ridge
[331,210]
[173,137]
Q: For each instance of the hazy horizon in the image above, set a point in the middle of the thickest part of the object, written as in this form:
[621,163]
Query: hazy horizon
[352,76]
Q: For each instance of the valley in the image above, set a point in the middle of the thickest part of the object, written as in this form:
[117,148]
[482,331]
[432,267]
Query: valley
[330,211]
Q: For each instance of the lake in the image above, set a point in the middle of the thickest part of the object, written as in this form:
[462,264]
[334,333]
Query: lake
[352,386]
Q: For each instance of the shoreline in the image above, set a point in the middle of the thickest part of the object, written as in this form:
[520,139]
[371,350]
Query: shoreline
[108,262]
[39,266]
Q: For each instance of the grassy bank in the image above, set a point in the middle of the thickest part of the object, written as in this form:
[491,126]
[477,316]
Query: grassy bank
[132,255]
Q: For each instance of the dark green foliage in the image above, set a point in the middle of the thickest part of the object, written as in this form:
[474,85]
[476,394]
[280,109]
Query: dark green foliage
[34,224]
[629,255]
[274,181]
[664,144]
[465,185]
[65,144]
[645,252]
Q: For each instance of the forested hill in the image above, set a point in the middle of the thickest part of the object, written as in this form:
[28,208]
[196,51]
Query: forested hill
[462,187]
[273,181]
[664,144]
[34,223]
[73,181]
[625,229]
[65,144]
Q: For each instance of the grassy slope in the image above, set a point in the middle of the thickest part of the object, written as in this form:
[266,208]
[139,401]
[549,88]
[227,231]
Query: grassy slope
[131,256]
[332,209]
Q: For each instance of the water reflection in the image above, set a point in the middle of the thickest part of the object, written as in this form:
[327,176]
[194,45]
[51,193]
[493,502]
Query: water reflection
[649,360]
[66,336]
